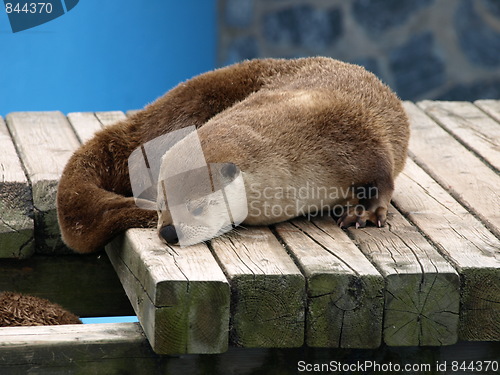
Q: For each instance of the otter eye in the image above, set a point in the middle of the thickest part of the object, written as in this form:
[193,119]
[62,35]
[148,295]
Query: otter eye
[197,211]
[229,170]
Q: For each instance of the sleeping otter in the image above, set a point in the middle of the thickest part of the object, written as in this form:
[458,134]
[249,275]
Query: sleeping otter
[277,125]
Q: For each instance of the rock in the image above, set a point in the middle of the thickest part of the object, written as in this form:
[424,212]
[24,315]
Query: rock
[479,42]
[489,89]
[242,48]
[377,16]
[416,67]
[370,64]
[303,26]
[493,7]
[239,13]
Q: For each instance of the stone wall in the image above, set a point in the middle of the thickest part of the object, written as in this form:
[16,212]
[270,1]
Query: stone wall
[432,49]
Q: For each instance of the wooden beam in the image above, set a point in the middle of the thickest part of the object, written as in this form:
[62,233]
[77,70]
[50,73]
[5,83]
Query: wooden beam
[268,290]
[45,142]
[471,126]
[86,285]
[180,295]
[85,124]
[464,241]
[16,205]
[491,107]
[97,347]
[422,288]
[132,112]
[122,348]
[345,293]
[110,117]
[455,168]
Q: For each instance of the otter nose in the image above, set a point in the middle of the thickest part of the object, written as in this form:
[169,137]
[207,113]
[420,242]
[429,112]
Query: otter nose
[169,234]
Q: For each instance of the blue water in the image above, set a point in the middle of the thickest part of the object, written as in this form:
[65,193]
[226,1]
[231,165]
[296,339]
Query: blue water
[112,319]
[105,55]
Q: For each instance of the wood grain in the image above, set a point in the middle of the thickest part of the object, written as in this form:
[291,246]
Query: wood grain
[471,126]
[16,205]
[132,112]
[491,107]
[45,142]
[422,288]
[345,293]
[121,348]
[461,173]
[268,290]
[110,117]
[107,348]
[464,241]
[85,125]
[180,295]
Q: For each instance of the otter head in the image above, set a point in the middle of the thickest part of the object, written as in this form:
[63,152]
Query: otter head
[198,201]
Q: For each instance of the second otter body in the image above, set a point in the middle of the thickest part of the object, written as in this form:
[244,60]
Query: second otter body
[284,125]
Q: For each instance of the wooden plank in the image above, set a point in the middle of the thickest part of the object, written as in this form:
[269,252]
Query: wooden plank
[345,293]
[121,348]
[79,348]
[110,117]
[85,125]
[180,296]
[447,161]
[491,107]
[462,239]
[470,125]
[422,288]
[16,205]
[268,290]
[45,142]
[86,285]
[132,112]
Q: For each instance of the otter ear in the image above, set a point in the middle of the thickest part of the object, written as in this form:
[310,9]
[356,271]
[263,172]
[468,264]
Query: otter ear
[229,170]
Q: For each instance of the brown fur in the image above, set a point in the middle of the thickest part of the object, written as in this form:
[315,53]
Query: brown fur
[287,115]
[23,310]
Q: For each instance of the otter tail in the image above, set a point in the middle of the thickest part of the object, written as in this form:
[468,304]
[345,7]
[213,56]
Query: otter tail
[94,200]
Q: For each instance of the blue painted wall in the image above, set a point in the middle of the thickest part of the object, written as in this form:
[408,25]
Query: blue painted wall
[105,55]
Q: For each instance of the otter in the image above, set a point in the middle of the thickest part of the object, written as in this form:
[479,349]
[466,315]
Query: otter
[24,310]
[273,126]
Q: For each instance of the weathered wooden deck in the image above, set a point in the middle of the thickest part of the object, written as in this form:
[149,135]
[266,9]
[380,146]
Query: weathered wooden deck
[430,277]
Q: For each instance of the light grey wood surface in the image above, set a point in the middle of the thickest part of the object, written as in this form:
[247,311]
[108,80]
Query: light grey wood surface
[464,175]
[345,293]
[471,126]
[132,112]
[464,241]
[45,142]
[110,117]
[16,205]
[421,287]
[85,124]
[268,290]
[490,106]
[181,295]
[300,281]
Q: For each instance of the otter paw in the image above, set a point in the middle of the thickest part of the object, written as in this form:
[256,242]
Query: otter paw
[359,217]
